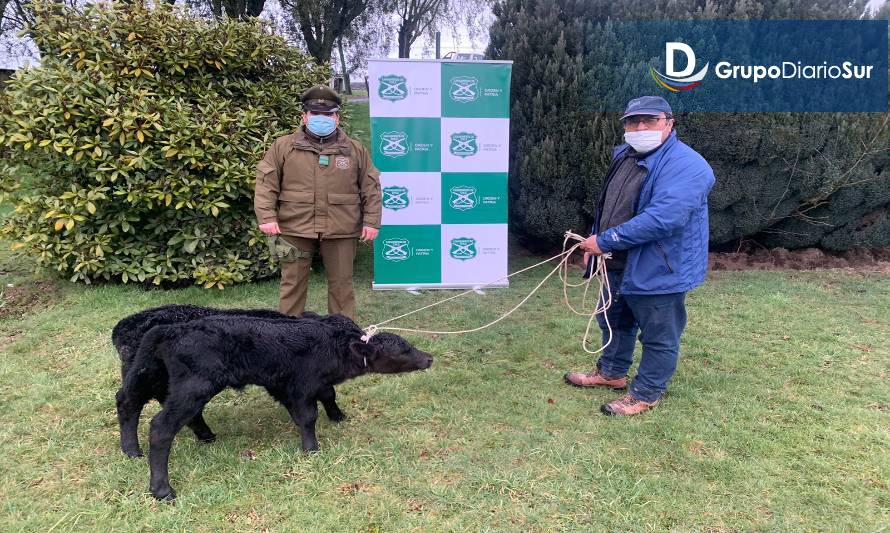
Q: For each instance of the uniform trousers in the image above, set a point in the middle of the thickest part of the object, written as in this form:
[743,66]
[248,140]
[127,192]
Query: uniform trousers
[337,256]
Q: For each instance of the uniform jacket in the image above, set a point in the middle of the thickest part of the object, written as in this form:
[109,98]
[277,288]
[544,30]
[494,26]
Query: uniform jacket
[308,198]
[667,238]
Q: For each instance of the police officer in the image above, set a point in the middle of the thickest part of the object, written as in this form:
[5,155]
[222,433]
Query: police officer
[317,189]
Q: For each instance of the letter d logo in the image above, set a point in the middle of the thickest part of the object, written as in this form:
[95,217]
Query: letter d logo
[669,51]
[678,80]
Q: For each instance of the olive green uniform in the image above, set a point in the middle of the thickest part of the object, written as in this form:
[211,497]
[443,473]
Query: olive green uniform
[321,192]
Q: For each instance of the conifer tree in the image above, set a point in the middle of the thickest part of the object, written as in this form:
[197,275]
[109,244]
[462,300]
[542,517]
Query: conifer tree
[783,179]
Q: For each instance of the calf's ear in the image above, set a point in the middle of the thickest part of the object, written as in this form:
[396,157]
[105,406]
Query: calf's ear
[361,352]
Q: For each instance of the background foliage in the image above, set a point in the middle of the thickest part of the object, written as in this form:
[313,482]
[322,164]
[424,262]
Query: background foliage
[129,153]
[792,180]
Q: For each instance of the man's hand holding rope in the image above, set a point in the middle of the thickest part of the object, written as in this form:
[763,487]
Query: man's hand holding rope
[590,247]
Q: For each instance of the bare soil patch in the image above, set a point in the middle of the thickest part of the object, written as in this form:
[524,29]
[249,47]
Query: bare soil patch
[857,260]
[19,299]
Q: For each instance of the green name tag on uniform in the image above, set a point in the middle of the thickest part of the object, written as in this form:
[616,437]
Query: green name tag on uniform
[324,160]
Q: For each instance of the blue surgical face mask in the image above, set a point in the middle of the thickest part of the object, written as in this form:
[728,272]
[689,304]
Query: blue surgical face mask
[321,125]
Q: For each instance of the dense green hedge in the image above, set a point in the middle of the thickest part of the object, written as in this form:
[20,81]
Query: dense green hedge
[129,152]
[792,180]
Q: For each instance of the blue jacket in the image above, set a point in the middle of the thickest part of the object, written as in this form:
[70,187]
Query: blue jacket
[667,239]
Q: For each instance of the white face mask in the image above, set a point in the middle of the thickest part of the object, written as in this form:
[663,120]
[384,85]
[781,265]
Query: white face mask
[643,141]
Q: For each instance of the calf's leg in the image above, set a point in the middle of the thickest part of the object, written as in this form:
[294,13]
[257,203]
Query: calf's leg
[129,407]
[144,380]
[183,403]
[197,424]
[328,398]
[304,412]
[200,428]
[131,399]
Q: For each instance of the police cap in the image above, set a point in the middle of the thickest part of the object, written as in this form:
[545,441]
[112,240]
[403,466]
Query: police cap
[320,99]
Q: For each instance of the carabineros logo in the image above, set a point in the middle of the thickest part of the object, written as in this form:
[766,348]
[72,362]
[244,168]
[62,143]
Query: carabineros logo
[463,248]
[394,143]
[464,89]
[463,197]
[463,144]
[396,249]
[395,198]
[393,88]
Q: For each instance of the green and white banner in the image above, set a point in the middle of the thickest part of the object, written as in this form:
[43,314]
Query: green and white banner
[440,135]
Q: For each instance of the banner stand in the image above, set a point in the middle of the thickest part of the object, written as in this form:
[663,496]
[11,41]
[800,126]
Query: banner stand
[440,135]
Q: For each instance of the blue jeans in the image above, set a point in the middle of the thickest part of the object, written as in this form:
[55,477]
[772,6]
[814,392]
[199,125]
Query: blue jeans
[660,320]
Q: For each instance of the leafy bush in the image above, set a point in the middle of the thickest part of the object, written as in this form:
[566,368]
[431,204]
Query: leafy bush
[130,152]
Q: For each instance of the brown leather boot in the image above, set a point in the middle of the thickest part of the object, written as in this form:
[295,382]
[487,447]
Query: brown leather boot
[627,405]
[595,379]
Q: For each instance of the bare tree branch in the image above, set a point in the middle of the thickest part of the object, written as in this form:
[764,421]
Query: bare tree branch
[322,22]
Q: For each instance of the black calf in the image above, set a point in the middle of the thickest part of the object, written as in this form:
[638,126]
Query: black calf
[298,361]
[128,334]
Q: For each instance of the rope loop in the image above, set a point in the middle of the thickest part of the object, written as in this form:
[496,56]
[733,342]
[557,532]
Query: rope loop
[370,331]
[604,297]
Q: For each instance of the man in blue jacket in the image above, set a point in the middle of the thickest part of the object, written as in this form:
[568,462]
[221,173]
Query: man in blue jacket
[652,218]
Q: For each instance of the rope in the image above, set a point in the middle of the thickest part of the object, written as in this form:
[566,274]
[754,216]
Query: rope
[603,303]
[604,298]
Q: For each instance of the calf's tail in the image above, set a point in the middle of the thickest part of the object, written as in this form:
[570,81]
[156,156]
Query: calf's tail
[148,370]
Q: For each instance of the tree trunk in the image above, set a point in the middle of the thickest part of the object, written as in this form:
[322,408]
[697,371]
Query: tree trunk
[347,87]
[254,8]
[217,8]
[318,50]
[404,41]
[238,9]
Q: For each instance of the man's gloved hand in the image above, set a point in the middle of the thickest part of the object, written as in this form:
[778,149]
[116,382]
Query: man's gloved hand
[285,252]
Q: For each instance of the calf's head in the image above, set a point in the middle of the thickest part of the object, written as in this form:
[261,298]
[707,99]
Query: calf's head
[387,353]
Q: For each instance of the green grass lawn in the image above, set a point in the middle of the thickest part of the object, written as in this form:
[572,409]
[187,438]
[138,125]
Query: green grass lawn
[360,123]
[777,419]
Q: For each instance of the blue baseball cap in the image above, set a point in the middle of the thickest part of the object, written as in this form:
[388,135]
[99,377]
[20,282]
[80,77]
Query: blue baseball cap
[647,105]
